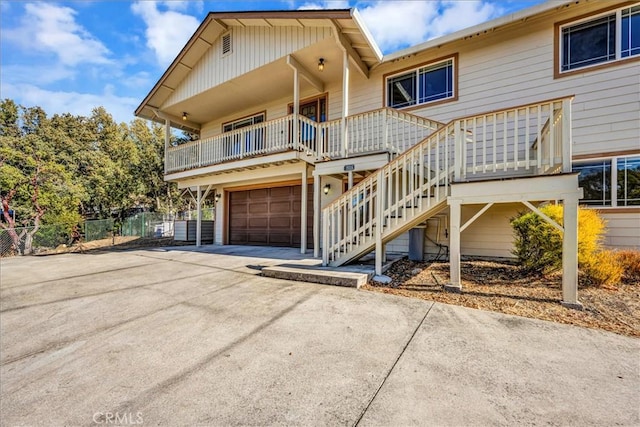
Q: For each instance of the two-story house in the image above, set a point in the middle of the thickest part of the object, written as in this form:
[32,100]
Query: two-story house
[307,136]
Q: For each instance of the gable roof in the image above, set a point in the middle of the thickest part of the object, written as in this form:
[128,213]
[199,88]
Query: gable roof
[347,22]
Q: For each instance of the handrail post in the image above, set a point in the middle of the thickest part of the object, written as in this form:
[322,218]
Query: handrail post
[199,153]
[379,221]
[385,128]
[457,151]
[567,139]
[325,237]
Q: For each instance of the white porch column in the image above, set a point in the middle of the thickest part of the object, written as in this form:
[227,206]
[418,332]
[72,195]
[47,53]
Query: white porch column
[345,103]
[455,213]
[570,253]
[296,108]
[317,213]
[303,212]
[350,179]
[167,138]
[199,217]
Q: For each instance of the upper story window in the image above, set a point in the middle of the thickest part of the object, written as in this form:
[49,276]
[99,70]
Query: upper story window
[422,85]
[604,38]
[610,182]
[247,121]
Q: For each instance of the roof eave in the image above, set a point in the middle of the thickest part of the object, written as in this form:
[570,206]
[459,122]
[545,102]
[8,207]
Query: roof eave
[480,28]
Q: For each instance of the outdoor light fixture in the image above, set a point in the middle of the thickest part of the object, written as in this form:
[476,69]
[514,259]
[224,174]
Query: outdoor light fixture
[326,188]
[321,64]
[217,197]
[184,116]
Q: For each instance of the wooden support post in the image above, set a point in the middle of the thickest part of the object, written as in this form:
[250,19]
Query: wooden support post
[303,212]
[317,215]
[199,217]
[455,208]
[570,253]
[167,138]
[566,136]
[379,222]
[296,110]
[345,103]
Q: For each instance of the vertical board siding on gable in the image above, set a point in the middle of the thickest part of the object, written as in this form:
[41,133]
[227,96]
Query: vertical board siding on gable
[252,47]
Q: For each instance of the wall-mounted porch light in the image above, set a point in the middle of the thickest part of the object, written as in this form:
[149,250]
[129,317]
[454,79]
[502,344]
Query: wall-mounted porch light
[184,115]
[321,64]
[326,188]
[217,197]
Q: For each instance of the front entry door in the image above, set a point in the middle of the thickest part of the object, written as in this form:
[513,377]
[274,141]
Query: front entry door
[315,110]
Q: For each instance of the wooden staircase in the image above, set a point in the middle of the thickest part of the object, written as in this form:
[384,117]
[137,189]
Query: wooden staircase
[528,140]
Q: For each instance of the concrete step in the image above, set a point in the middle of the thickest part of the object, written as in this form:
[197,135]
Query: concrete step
[317,275]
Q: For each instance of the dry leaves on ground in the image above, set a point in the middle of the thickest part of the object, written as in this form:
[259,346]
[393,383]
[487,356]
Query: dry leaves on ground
[505,288]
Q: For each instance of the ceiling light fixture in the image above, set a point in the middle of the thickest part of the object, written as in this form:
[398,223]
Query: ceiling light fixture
[321,64]
[184,116]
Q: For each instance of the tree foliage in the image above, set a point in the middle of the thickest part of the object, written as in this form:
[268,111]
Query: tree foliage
[64,168]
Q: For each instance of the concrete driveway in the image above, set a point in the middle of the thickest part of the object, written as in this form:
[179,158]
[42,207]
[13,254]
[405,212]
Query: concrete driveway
[184,337]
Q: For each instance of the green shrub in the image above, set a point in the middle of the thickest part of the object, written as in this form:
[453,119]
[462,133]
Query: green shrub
[538,244]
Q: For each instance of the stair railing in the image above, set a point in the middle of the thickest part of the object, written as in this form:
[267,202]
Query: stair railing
[530,140]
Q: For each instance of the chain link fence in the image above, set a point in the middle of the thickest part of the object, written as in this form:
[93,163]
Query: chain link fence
[49,236]
[148,224]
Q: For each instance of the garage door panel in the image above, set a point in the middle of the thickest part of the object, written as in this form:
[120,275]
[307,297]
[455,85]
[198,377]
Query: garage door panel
[280,207]
[258,222]
[259,194]
[280,222]
[282,192]
[238,210]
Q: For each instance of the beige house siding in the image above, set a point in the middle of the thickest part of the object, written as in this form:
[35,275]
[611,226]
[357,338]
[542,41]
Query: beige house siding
[515,67]
[252,47]
[623,229]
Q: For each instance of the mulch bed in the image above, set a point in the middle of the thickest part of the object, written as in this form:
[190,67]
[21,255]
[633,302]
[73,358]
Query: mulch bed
[505,288]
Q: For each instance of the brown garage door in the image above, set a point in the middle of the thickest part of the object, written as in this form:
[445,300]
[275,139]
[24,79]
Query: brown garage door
[268,216]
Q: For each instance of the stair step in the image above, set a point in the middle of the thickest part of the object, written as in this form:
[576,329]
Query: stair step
[317,275]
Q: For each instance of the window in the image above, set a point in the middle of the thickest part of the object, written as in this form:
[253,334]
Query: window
[596,179]
[606,38]
[244,142]
[421,85]
[628,177]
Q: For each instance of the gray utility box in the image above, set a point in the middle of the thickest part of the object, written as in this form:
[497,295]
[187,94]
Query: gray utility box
[185,230]
[416,244]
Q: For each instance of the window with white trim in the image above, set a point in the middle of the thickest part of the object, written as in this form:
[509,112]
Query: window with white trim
[605,38]
[596,178]
[421,85]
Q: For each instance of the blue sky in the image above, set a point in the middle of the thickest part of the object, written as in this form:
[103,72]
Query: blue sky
[74,56]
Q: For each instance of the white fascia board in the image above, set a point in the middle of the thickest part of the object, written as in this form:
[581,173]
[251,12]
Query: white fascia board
[355,15]
[485,26]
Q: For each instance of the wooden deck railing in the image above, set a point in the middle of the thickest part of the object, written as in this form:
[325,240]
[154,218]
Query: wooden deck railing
[374,131]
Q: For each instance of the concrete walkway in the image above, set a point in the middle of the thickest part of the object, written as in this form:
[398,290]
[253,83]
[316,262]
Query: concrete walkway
[197,337]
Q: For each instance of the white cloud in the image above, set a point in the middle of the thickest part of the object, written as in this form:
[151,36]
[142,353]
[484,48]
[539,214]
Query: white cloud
[167,31]
[325,4]
[399,24]
[59,102]
[53,29]
[456,15]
